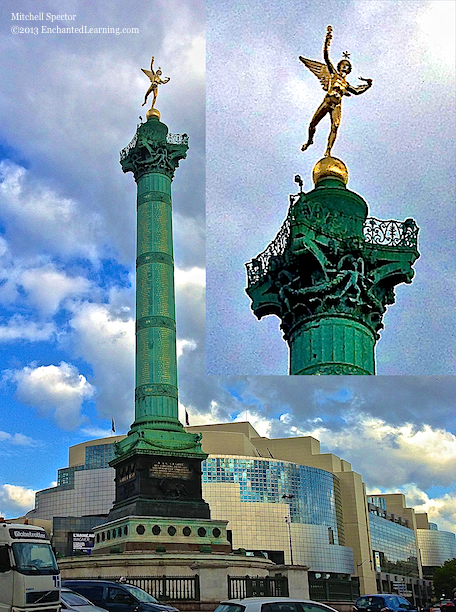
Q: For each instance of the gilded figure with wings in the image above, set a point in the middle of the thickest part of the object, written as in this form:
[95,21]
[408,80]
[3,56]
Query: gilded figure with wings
[155,81]
[333,81]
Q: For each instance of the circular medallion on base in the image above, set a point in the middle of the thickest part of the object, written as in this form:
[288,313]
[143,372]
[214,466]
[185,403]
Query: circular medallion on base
[330,167]
[153,113]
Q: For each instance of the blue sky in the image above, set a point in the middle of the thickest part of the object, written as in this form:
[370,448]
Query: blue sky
[69,103]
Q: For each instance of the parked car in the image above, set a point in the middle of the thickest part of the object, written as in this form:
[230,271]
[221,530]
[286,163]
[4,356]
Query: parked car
[384,602]
[446,605]
[117,596]
[77,603]
[272,604]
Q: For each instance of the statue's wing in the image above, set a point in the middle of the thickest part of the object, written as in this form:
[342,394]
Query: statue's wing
[320,71]
[149,74]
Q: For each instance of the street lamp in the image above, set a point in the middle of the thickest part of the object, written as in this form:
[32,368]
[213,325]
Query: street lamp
[288,522]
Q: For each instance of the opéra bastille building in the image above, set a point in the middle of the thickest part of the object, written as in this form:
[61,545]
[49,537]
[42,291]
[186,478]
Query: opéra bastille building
[283,499]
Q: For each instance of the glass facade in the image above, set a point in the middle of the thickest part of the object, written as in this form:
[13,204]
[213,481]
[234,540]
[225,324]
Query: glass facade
[98,456]
[380,502]
[436,546]
[257,495]
[85,492]
[396,546]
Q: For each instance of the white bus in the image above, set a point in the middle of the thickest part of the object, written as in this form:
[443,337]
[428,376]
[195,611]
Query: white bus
[29,576]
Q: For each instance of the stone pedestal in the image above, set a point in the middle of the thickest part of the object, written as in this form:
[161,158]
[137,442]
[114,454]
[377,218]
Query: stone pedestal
[298,580]
[330,274]
[161,535]
[213,570]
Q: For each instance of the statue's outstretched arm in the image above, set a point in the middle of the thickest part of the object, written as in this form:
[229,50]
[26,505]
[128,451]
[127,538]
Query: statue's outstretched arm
[152,64]
[361,88]
[326,50]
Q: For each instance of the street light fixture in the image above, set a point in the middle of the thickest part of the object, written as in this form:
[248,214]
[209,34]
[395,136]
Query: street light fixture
[288,522]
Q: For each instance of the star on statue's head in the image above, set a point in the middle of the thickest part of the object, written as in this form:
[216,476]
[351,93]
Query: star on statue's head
[346,55]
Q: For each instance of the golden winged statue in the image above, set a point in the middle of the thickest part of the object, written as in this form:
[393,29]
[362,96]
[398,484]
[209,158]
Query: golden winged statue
[155,81]
[333,81]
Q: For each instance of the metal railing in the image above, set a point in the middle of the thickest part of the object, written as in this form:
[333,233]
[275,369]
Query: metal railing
[333,589]
[166,588]
[391,233]
[259,266]
[175,139]
[246,586]
[124,152]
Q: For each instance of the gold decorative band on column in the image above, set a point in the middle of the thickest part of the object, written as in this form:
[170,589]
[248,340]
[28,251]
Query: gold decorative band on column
[146,322]
[158,389]
[154,196]
[146,258]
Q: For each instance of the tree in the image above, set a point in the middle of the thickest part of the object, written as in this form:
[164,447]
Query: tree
[445,579]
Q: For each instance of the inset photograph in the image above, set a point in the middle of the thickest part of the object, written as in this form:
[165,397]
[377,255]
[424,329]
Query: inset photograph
[330,189]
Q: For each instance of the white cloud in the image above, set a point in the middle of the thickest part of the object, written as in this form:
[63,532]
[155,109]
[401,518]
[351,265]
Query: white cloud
[19,328]
[37,217]
[436,32]
[195,277]
[96,432]
[48,287]
[185,345]
[104,336]
[57,390]
[16,498]
[17,439]
[367,442]
[440,510]
[210,417]
[258,422]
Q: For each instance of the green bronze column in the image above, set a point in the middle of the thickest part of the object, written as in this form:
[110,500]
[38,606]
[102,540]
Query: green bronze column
[158,464]
[330,274]
[153,157]
[156,404]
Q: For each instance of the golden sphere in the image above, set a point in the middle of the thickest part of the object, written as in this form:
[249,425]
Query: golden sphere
[330,167]
[152,112]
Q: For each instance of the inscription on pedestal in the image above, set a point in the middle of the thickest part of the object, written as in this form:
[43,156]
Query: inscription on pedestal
[174,469]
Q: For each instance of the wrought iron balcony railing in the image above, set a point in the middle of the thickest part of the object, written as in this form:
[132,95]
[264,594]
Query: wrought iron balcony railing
[391,233]
[176,139]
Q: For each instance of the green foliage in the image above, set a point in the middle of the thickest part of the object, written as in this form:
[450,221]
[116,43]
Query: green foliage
[445,579]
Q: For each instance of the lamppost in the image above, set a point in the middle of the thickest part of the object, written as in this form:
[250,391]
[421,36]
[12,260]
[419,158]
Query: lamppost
[288,522]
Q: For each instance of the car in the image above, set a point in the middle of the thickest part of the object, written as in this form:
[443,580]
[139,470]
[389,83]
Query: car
[77,603]
[442,606]
[117,596]
[272,604]
[383,601]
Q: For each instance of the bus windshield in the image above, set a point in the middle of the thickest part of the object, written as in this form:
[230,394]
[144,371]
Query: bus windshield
[34,558]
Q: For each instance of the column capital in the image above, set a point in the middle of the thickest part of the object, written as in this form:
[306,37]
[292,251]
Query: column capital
[329,275]
[153,149]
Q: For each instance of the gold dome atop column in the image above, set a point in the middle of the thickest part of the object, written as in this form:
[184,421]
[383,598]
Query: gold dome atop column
[152,112]
[330,167]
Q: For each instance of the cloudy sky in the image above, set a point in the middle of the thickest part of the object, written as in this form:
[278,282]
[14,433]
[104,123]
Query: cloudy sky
[395,140]
[69,103]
